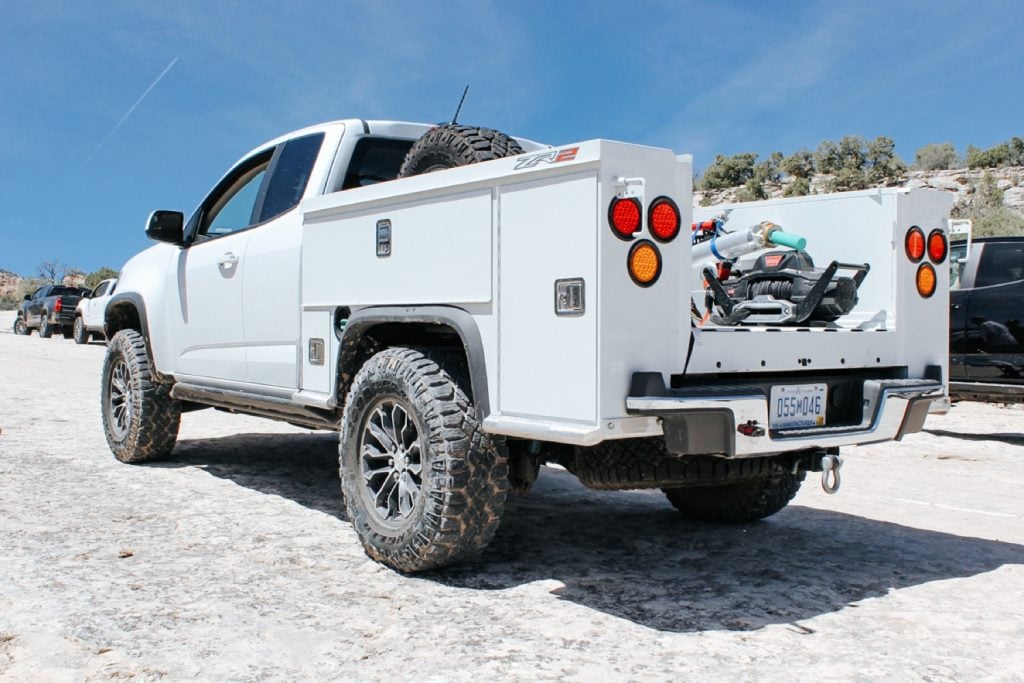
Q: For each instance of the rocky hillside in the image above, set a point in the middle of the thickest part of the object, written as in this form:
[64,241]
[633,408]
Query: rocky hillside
[969,185]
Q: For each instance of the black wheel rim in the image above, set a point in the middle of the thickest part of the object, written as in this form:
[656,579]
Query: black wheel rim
[120,402]
[391,461]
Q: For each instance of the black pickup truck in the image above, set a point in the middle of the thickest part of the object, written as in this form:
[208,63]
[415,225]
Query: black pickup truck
[50,308]
[986,316]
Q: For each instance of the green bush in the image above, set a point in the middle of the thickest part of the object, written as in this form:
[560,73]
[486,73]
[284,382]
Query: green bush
[798,188]
[799,164]
[936,156]
[725,172]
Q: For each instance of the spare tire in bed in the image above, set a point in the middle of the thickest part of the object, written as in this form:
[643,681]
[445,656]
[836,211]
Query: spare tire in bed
[452,145]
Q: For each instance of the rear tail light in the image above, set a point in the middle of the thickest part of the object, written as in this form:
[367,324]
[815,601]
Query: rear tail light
[663,219]
[914,244]
[937,246]
[624,216]
[58,306]
[644,263]
[926,280]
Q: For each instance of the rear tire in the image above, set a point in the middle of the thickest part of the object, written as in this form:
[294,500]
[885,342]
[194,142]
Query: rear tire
[68,332]
[424,486]
[80,333]
[454,145]
[45,328]
[744,501]
[140,419]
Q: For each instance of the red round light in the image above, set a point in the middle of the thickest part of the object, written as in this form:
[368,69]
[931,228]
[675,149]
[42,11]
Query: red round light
[937,246]
[624,215]
[915,244]
[663,219]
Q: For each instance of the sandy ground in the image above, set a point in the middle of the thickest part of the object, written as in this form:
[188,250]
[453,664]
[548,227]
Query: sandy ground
[234,562]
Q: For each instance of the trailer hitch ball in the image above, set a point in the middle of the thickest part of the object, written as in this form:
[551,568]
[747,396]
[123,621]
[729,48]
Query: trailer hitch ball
[830,479]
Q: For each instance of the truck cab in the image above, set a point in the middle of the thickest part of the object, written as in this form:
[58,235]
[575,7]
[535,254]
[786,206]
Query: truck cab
[987,319]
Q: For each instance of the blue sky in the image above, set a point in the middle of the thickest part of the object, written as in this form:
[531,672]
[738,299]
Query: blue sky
[89,145]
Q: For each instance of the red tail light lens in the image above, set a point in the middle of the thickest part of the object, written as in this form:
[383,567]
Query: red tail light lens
[937,246]
[624,216]
[58,306]
[914,244]
[663,219]
[926,280]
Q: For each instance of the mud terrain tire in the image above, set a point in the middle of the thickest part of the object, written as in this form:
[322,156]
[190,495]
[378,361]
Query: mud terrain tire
[451,145]
[140,419]
[20,327]
[745,501]
[424,486]
[645,464]
[81,335]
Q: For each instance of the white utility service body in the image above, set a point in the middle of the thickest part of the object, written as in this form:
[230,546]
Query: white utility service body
[464,306]
[493,239]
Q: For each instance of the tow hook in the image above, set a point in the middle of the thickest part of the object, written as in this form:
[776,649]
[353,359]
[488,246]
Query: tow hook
[830,466]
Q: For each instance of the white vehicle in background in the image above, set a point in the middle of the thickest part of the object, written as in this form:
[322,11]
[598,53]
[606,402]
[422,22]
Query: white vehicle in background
[90,311]
[462,327]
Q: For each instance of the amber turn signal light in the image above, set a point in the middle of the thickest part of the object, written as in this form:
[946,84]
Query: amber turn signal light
[644,263]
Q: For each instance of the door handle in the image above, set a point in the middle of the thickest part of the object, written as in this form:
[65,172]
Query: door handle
[228,261]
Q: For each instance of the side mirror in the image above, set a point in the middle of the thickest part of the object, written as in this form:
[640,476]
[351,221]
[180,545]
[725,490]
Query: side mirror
[166,226]
[28,297]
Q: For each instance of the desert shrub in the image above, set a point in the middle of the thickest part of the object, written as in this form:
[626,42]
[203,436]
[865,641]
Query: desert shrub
[728,171]
[936,156]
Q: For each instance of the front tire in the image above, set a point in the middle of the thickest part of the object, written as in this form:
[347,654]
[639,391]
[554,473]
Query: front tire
[20,327]
[743,501]
[45,328]
[140,419]
[80,333]
[424,486]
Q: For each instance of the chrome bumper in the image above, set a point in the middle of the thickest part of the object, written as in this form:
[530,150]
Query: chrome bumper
[709,423]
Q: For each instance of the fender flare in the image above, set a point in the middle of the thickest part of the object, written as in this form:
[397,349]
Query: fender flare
[365,319]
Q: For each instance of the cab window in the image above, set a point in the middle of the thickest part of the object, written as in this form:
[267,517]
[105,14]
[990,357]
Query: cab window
[233,208]
[1000,263]
[290,175]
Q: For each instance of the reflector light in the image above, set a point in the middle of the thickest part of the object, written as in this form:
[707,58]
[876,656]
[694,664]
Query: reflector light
[926,280]
[624,216]
[663,219]
[937,246]
[58,306]
[914,244]
[644,263]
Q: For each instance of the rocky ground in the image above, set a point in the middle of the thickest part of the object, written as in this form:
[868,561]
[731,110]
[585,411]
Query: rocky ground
[234,561]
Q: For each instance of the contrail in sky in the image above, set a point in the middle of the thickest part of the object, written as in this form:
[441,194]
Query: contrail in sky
[131,109]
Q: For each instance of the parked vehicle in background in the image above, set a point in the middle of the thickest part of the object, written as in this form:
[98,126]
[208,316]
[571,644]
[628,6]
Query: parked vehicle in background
[986,317]
[90,311]
[49,309]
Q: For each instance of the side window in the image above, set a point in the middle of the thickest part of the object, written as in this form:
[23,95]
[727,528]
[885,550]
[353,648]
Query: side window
[1000,263]
[290,175]
[232,210]
[101,290]
[957,252]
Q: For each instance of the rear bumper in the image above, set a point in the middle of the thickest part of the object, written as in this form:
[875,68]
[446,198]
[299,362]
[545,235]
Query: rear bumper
[696,422]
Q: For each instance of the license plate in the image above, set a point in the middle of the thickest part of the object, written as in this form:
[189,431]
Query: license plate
[797,405]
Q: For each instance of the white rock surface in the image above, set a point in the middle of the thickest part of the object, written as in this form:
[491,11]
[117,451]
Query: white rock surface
[233,561]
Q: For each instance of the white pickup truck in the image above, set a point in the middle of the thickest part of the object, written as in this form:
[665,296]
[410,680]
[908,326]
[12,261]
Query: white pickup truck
[89,314]
[464,323]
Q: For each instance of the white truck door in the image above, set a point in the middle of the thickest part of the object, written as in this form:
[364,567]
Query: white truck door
[95,305]
[210,334]
[271,282]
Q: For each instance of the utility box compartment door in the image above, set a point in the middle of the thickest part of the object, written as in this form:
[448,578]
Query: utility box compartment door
[548,362]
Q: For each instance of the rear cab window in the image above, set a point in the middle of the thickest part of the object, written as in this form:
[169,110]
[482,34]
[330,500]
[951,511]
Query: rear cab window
[1001,263]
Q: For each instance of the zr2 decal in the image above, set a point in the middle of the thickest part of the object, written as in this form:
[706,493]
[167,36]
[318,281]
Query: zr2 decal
[553,157]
